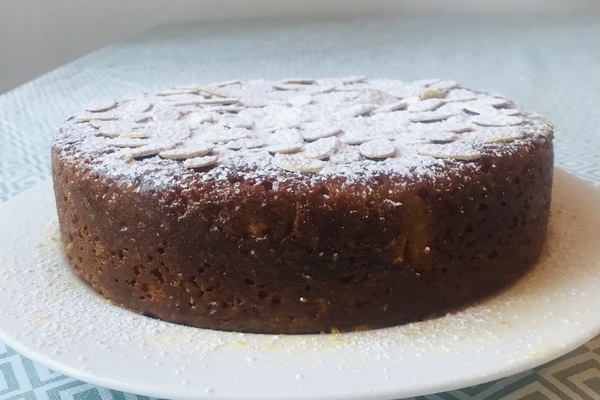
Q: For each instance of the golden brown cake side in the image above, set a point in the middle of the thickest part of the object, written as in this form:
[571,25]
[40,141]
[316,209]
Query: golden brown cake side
[276,251]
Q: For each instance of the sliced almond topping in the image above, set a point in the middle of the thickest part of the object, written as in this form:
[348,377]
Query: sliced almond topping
[134,135]
[176,132]
[496,120]
[250,143]
[211,92]
[298,81]
[425,105]
[234,121]
[432,94]
[360,134]
[430,116]
[286,148]
[95,123]
[101,105]
[348,80]
[296,163]
[318,131]
[139,106]
[225,101]
[199,162]
[322,89]
[426,82]
[476,107]
[142,119]
[438,137]
[200,117]
[449,151]
[224,135]
[456,124]
[126,142]
[108,134]
[322,148]
[148,150]
[189,150]
[89,118]
[460,95]
[287,135]
[289,86]
[444,85]
[502,135]
[398,105]
[177,91]
[496,101]
[225,109]
[299,101]
[375,96]
[227,83]
[378,148]
[359,109]
[349,155]
[165,113]
[114,129]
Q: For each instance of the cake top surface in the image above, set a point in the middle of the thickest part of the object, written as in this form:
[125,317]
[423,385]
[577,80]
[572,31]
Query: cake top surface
[312,128]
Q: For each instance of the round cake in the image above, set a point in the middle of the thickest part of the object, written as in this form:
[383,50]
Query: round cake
[302,205]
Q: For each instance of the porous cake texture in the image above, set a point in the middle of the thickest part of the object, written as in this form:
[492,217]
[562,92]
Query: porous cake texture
[302,205]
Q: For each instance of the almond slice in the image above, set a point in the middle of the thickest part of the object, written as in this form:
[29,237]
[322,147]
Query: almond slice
[224,101]
[438,137]
[322,89]
[496,120]
[199,162]
[296,163]
[432,94]
[224,135]
[177,91]
[425,105]
[126,142]
[399,105]
[299,101]
[298,81]
[444,85]
[321,148]
[452,152]
[234,121]
[430,116]
[348,80]
[189,150]
[148,150]
[139,106]
[227,83]
[358,110]
[378,148]
[197,118]
[250,143]
[101,105]
[134,135]
[165,113]
[285,148]
[319,131]
[500,135]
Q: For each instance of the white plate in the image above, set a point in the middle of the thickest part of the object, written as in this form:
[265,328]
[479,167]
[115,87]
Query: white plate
[47,314]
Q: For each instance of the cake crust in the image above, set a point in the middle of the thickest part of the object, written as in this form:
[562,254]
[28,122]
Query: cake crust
[253,241]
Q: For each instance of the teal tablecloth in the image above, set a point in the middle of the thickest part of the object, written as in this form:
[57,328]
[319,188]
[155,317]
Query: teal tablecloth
[547,63]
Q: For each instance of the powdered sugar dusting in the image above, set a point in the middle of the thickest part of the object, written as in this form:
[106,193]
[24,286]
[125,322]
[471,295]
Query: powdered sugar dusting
[354,126]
